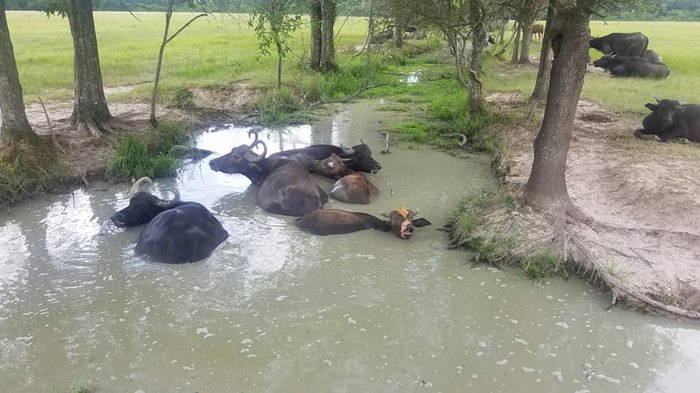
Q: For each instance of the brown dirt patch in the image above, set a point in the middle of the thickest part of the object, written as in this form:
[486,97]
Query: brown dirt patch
[639,211]
[87,156]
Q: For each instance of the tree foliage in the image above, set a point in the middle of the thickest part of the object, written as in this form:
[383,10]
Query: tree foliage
[274,25]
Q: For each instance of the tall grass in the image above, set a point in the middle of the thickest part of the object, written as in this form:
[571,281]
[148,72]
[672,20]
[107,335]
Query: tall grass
[136,158]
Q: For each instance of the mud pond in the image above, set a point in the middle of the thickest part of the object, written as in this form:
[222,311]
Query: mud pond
[278,310]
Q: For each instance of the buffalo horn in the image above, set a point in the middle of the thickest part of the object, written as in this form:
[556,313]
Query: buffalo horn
[250,156]
[167,204]
[163,203]
[137,184]
[463,141]
[347,150]
[253,132]
[658,100]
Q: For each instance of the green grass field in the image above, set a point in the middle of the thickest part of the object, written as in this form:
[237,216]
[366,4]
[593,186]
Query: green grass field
[212,51]
[676,42]
[222,49]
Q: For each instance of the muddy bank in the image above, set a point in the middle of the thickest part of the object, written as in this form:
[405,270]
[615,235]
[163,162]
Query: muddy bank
[86,157]
[637,224]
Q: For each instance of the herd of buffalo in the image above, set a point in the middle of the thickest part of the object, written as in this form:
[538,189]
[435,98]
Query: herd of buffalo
[180,232]
[627,55]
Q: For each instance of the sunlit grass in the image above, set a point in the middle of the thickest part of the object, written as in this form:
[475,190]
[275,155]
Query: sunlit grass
[674,41]
[213,51]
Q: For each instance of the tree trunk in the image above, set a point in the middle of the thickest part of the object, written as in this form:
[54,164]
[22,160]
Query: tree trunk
[479,41]
[328,15]
[159,63]
[90,111]
[315,16]
[516,43]
[526,40]
[14,119]
[399,28]
[545,66]
[280,55]
[546,188]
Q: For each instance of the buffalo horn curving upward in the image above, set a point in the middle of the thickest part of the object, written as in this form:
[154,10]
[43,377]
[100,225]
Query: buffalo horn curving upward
[251,156]
[254,132]
[347,150]
[137,184]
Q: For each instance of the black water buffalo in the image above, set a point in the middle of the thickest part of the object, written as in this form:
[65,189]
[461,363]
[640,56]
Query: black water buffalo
[623,44]
[354,188]
[632,66]
[652,57]
[285,186]
[177,231]
[334,222]
[357,158]
[669,120]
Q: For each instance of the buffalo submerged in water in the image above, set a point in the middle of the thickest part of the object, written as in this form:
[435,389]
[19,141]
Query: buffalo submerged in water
[176,231]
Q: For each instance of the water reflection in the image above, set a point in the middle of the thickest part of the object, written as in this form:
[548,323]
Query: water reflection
[274,309]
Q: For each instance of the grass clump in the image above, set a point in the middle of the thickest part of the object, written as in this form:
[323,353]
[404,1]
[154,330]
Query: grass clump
[412,131]
[182,98]
[281,106]
[134,158]
[542,264]
[29,168]
[467,229]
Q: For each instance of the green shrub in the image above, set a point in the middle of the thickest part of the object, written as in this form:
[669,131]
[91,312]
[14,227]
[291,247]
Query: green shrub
[182,98]
[130,159]
[170,133]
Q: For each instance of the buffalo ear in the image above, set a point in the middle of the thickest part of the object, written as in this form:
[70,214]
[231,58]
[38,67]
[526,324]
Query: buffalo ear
[421,222]
[651,107]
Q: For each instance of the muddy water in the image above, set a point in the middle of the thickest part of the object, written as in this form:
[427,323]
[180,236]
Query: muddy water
[277,310]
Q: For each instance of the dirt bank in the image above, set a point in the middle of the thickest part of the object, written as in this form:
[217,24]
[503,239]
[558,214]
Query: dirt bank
[637,229]
[87,157]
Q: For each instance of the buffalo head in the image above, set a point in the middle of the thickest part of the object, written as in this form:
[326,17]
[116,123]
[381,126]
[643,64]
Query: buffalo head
[402,222]
[143,207]
[332,167]
[662,114]
[242,159]
[359,158]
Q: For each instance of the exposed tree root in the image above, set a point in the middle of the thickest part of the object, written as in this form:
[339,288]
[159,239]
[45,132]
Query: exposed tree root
[537,232]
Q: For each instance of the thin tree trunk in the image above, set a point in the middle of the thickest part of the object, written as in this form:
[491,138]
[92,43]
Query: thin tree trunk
[280,54]
[545,66]
[516,44]
[328,15]
[161,51]
[546,188]
[14,119]
[90,111]
[316,37]
[169,5]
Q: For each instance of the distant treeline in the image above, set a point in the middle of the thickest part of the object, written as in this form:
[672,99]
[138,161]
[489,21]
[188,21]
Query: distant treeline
[661,9]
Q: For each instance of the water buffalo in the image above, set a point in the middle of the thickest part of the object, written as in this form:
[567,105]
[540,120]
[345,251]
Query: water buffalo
[537,31]
[669,120]
[652,57]
[177,231]
[332,167]
[285,187]
[354,188]
[632,66]
[333,222]
[357,158]
[623,44]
